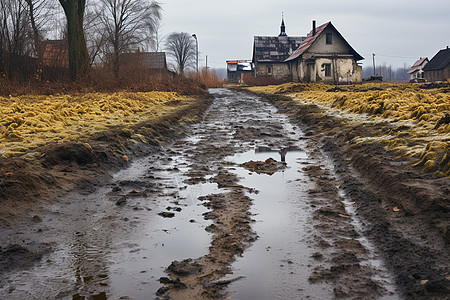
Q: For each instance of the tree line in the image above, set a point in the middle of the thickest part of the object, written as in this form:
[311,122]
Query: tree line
[97,34]
[389,73]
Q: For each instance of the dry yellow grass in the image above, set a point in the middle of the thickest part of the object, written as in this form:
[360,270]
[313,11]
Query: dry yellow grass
[27,122]
[412,112]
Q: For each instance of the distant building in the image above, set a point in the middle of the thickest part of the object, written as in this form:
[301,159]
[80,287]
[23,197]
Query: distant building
[416,70]
[143,61]
[55,54]
[238,69]
[438,69]
[270,53]
[325,56]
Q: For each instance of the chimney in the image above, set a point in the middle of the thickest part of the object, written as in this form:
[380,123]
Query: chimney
[314,28]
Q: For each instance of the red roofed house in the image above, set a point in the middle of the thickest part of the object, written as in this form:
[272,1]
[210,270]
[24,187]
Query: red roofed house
[237,70]
[416,70]
[325,56]
[55,54]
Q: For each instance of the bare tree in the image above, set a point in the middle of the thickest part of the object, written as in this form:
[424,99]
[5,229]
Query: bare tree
[154,39]
[79,62]
[36,35]
[14,31]
[180,46]
[95,35]
[127,24]
[40,14]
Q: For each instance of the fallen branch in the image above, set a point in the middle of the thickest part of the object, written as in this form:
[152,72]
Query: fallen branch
[227,281]
[207,274]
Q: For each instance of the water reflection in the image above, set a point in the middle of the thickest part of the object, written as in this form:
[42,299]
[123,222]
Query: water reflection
[276,266]
[282,151]
[91,260]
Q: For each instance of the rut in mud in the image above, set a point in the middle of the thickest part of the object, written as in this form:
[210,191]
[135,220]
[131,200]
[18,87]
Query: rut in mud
[247,206]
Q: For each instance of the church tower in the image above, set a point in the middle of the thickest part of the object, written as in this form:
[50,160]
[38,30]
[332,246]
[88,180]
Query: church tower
[282,27]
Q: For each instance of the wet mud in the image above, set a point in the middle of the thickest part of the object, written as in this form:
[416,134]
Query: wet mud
[403,211]
[260,198]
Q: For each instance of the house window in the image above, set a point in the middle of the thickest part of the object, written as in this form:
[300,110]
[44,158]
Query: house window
[327,70]
[269,70]
[329,39]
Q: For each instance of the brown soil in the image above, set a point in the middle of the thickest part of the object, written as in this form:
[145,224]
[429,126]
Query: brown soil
[26,185]
[406,213]
[269,166]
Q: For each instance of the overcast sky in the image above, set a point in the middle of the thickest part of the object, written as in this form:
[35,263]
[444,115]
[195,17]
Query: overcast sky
[397,31]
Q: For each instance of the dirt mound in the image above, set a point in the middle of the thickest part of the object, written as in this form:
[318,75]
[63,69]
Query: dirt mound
[17,256]
[22,180]
[185,267]
[436,85]
[58,168]
[80,153]
[269,166]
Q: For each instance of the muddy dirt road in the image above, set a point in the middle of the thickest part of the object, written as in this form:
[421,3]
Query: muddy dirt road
[249,205]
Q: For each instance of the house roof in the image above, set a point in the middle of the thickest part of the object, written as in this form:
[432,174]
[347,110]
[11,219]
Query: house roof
[238,61]
[274,49]
[416,66]
[310,39]
[239,65]
[150,60]
[55,53]
[439,61]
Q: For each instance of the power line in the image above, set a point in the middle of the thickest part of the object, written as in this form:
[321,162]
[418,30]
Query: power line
[395,56]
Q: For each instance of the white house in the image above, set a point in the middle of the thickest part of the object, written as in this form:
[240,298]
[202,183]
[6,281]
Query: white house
[325,56]
[416,70]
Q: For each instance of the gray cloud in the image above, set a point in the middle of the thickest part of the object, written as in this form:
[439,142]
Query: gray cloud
[397,31]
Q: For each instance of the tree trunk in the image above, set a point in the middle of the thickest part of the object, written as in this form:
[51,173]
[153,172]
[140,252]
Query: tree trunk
[116,57]
[36,35]
[2,69]
[78,53]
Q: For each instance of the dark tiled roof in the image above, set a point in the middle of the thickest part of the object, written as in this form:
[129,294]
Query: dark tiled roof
[274,49]
[439,61]
[310,39]
[150,60]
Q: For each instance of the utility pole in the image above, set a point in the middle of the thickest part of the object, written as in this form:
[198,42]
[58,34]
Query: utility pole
[206,64]
[373,59]
[196,47]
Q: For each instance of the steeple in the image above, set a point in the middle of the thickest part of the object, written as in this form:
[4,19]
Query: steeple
[282,27]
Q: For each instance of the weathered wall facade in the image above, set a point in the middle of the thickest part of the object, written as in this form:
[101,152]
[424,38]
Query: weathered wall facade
[279,71]
[328,69]
[438,75]
[325,56]
[270,53]
[439,66]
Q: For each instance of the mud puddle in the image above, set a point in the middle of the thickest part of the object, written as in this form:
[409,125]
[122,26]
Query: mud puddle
[243,207]
[278,264]
[117,240]
[175,228]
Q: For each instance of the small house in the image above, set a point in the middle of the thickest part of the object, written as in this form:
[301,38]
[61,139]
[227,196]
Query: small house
[270,53]
[143,61]
[325,56]
[438,69]
[416,70]
[238,69]
[55,54]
